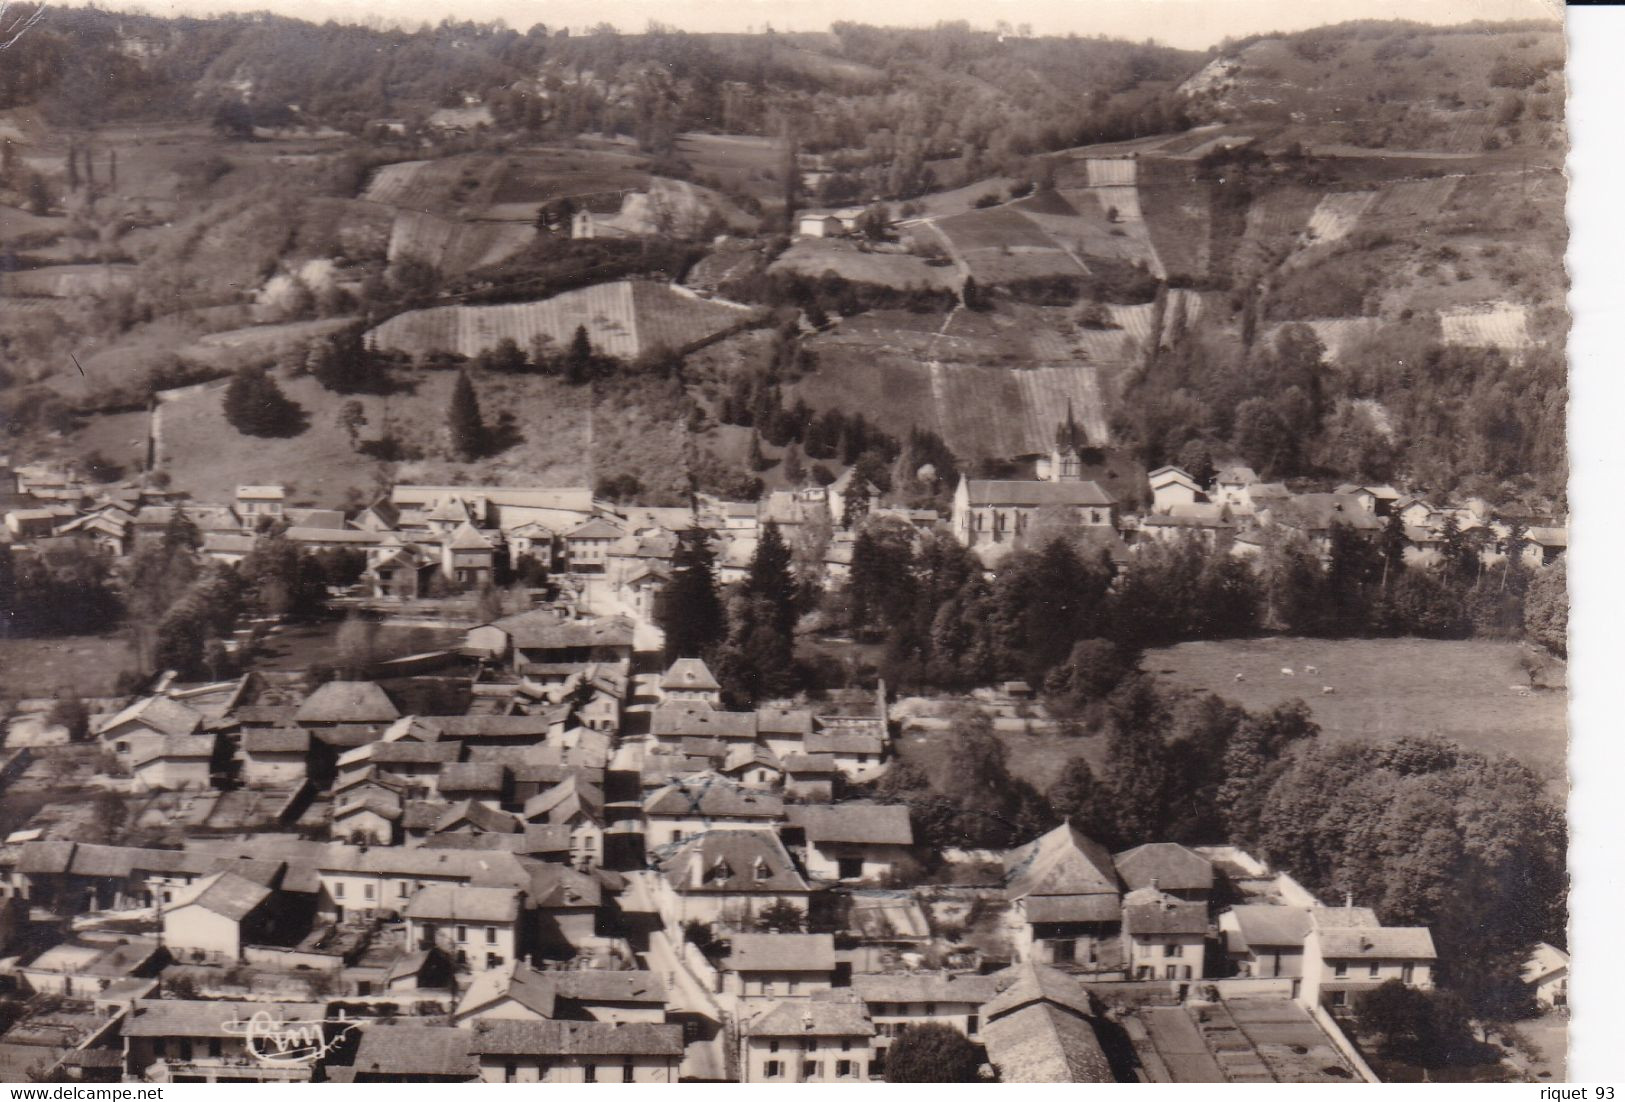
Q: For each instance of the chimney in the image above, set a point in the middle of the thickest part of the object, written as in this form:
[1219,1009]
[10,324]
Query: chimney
[1155,880]
[1348,900]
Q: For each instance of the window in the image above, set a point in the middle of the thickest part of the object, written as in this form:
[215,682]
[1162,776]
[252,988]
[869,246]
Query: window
[403,889]
[121,747]
[626,1070]
[590,1073]
[367,891]
[850,868]
[214,1048]
[843,1069]
[773,1069]
[338,889]
[809,1044]
[972,1023]
[490,935]
[846,1044]
[462,934]
[1375,970]
[510,1072]
[1064,952]
[1340,998]
[762,871]
[1172,950]
[1407,973]
[809,1069]
[1342,968]
[1171,972]
[493,960]
[772,1046]
[790,987]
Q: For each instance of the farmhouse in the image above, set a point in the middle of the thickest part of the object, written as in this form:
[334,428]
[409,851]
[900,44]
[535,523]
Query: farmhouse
[216,916]
[1066,903]
[849,841]
[576,1052]
[899,1000]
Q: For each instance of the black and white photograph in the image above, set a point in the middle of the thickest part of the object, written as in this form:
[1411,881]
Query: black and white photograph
[568,542]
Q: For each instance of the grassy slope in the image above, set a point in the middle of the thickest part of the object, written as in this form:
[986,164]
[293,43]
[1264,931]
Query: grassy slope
[1386,688]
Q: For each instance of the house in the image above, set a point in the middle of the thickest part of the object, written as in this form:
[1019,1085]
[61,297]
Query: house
[1230,487]
[216,916]
[1379,501]
[1171,486]
[690,682]
[86,970]
[837,494]
[148,719]
[753,767]
[576,1052]
[413,767]
[257,504]
[809,777]
[209,1041]
[174,762]
[1265,939]
[473,817]
[1163,937]
[479,928]
[1546,973]
[347,704]
[521,992]
[859,755]
[484,781]
[424,969]
[849,841]
[727,877]
[578,807]
[25,524]
[1211,524]
[1169,867]
[587,546]
[274,757]
[814,224]
[468,557]
[778,965]
[898,1000]
[541,637]
[693,805]
[1066,903]
[1040,1029]
[368,811]
[990,517]
[415,1054]
[822,1039]
[1342,960]
[671,724]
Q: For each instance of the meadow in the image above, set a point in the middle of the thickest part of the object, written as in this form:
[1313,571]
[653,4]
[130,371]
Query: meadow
[1470,691]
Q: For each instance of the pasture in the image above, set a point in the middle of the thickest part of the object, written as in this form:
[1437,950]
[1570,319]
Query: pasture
[737,162]
[84,664]
[1461,690]
[815,256]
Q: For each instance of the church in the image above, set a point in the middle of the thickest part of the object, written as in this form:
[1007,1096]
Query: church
[992,516]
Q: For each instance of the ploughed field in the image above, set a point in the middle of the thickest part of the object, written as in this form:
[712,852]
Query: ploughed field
[1468,691]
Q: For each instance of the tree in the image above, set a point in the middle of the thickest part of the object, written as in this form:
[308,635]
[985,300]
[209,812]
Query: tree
[468,433]
[781,917]
[1546,608]
[70,712]
[352,418]
[255,406]
[932,1053]
[1425,1027]
[690,609]
[233,119]
[578,361]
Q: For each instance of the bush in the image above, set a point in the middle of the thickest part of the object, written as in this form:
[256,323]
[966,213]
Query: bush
[255,406]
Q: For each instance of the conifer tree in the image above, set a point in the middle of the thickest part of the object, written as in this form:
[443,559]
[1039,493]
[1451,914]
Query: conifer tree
[255,405]
[691,612]
[468,434]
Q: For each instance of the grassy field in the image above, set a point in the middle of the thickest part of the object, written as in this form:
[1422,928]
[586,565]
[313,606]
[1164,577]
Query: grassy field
[738,162]
[85,664]
[814,257]
[1460,690]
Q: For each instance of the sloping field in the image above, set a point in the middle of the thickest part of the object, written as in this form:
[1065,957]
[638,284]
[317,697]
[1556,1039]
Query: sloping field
[1281,213]
[1002,412]
[622,319]
[1413,201]
[1001,245]
[945,204]
[993,228]
[268,340]
[1077,221]
[1178,216]
[1502,325]
[1125,200]
[68,280]
[1387,688]
[1337,214]
[1336,334]
[737,161]
[1136,321]
[814,256]
[393,183]
[452,246]
[1109,171]
[16,223]
[1106,346]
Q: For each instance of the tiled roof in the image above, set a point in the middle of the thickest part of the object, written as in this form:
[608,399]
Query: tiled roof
[397,1051]
[442,902]
[540,629]
[1174,867]
[809,764]
[347,702]
[473,776]
[998,493]
[710,796]
[780,953]
[682,720]
[276,740]
[1150,912]
[1378,943]
[690,674]
[784,721]
[1044,1044]
[924,987]
[844,742]
[175,747]
[1062,862]
[166,716]
[834,1016]
[481,817]
[1029,982]
[1265,925]
[874,824]
[224,893]
[728,862]
[500,1038]
[565,800]
[207,1017]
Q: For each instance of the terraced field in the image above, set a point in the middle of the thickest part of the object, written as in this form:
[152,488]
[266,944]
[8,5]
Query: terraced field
[1109,171]
[1337,214]
[1177,216]
[994,228]
[1502,325]
[453,246]
[394,183]
[622,319]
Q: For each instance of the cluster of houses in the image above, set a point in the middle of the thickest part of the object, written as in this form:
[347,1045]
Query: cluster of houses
[588,869]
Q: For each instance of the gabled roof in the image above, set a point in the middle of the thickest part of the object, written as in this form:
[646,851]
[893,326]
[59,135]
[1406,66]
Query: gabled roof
[397,1051]
[680,720]
[1029,982]
[924,987]
[565,800]
[347,702]
[598,528]
[1237,476]
[527,986]
[780,953]
[1265,925]
[856,822]
[1318,512]
[175,748]
[473,776]
[443,902]
[1378,943]
[710,796]
[783,721]
[1544,960]
[729,860]
[809,764]
[690,674]
[450,509]
[1174,867]
[1043,1044]
[1147,911]
[844,742]
[1062,862]
[830,1014]
[749,755]
[1163,476]
[540,629]
[166,716]
[224,893]
[468,538]
[480,816]
[276,740]
[502,1038]
[207,1017]
[1014,493]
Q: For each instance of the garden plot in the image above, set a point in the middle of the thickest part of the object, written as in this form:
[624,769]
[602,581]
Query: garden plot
[1337,214]
[1503,325]
[452,246]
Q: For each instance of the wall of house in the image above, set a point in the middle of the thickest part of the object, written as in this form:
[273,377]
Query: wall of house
[663,830]
[503,1010]
[752,985]
[478,946]
[891,1017]
[273,770]
[793,1054]
[364,823]
[172,775]
[823,860]
[1159,952]
[192,928]
[573,1069]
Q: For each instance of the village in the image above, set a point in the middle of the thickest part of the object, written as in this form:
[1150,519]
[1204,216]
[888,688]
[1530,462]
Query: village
[576,864]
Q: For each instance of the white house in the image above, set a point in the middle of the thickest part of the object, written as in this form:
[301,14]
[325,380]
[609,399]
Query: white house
[479,928]
[778,965]
[1164,938]
[849,841]
[817,1040]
